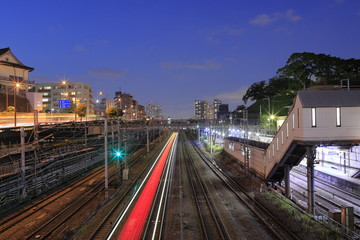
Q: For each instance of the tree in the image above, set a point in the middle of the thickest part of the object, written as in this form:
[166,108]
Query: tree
[114,112]
[10,109]
[305,67]
[255,92]
[81,110]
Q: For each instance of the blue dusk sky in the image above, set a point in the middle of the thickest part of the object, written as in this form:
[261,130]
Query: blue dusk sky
[173,52]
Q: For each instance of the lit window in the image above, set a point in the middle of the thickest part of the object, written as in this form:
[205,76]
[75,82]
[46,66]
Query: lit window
[313,117]
[282,136]
[277,144]
[287,129]
[338,117]
[293,121]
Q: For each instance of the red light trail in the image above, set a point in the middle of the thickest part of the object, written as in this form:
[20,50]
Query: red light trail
[135,223]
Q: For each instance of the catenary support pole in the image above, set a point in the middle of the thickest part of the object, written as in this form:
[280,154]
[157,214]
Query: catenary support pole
[287,180]
[22,135]
[147,139]
[310,180]
[106,156]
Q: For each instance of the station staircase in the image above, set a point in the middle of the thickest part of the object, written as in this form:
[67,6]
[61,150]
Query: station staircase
[289,146]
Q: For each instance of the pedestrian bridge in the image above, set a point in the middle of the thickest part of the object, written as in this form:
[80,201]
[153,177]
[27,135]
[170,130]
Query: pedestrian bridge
[317,118]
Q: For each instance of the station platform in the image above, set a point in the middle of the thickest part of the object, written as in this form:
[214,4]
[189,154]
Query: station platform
[335,177]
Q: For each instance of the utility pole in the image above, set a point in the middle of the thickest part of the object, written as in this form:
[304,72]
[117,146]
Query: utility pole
[118,164]
[106,156]
[22,140]
[147,139]
[211,140]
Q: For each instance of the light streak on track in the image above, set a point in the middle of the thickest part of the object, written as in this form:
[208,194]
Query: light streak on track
[172,155]
[134,225]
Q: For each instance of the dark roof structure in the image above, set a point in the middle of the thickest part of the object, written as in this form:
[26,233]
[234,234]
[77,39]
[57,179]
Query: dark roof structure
[339,98]
[4,50]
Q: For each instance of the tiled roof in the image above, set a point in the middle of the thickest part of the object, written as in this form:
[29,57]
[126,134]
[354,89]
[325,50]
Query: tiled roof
[17,65]
[4,50]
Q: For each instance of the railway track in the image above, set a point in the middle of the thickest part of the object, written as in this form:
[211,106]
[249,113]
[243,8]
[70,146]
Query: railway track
[57,223]
[212,226]
[326,202]
[102,229]
[276,228]
[26,212]
[155,224]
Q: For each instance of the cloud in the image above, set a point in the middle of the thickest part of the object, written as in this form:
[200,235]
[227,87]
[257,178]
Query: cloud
[262,20]
[80,48]
[233,96]
[339,2]
[266,19]
[207,65]
[107,73]
[232,31]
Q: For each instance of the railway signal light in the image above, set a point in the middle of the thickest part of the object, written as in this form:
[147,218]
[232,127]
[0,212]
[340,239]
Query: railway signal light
[119,154]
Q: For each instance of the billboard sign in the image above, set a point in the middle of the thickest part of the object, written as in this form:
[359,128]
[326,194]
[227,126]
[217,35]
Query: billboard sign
[64,104]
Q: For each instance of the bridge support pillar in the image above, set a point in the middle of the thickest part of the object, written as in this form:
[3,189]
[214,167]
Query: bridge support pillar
[287,180]
[310,179]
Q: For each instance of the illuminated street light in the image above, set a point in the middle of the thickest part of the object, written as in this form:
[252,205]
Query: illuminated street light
[17,85]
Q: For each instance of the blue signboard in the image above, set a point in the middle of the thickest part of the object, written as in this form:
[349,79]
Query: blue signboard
[64,104]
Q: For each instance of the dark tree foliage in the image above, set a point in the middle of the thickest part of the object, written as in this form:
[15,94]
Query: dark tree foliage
[275,86]
[255,91]
[114,112]
[306,67]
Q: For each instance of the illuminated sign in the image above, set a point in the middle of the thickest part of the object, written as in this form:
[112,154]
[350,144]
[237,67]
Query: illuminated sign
[64,104]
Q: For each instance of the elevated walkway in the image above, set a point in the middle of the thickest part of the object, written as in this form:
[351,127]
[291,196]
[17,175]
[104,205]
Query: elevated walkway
[318,118]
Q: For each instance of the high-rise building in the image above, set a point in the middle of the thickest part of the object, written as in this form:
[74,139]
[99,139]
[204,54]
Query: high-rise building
[201,109]
[216,104]
[223,112]
[154,111]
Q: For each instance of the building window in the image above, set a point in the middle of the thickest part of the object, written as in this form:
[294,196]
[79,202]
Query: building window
[293,121]
[287,129]
[338,117]
[313,117]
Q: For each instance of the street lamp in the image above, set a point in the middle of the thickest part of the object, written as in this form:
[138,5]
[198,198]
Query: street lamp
[17,85]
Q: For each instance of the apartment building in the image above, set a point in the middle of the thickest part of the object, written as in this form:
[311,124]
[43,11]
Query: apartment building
[154,111]
[76,92]
[132,110]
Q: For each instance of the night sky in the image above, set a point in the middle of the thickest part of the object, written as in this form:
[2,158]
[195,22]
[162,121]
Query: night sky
[172,52]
